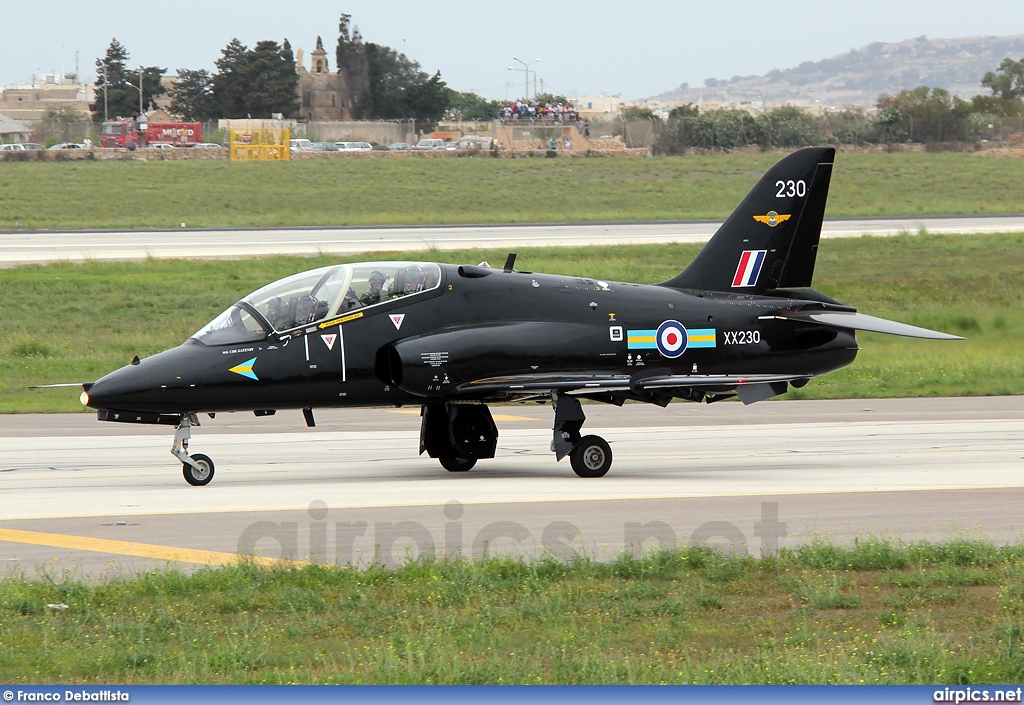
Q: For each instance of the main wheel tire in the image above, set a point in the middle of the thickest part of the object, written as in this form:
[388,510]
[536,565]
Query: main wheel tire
[592,457]
[200,476]
[453,463]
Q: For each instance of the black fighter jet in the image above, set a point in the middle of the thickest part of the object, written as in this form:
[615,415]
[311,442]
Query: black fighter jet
[739,321]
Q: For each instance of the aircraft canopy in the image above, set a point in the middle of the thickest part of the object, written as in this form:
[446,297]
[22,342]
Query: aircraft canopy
[317,294]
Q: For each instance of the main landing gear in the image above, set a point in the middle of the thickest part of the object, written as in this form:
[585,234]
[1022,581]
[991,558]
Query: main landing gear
[198,468]
[460,434]
[457,434]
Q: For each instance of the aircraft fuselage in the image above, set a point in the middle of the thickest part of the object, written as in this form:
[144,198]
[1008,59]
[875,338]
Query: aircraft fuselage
[481,324]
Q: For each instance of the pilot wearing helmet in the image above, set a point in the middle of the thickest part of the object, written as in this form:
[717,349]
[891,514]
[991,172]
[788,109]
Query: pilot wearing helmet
[277,314]
[373,291]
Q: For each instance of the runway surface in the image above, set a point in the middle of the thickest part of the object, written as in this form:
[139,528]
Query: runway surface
[104,498]
[76,246]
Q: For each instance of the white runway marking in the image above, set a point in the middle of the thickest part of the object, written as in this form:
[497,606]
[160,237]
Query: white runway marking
[41,246]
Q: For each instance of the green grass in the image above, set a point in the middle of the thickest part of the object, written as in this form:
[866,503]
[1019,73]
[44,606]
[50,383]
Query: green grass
[332,192]
[876,612]
[76,322]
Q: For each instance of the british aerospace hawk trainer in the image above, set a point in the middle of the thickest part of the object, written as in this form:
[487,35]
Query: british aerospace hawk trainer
[740,321]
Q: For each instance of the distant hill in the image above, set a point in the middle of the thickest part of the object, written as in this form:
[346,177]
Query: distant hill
[860,75]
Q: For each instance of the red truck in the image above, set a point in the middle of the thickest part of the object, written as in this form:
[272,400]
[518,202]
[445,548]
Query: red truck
[119,133]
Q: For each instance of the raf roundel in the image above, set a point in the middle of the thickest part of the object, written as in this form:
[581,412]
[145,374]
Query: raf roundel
[671,339]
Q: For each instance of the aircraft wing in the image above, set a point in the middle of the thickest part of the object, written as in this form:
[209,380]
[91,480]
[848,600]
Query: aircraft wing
[596,382]
[862,321]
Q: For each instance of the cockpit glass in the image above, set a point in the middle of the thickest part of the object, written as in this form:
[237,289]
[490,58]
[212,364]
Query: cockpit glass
[295,300]
[317,294]
[236,325]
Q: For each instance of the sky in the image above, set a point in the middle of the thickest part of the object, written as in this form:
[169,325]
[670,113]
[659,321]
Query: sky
[630,49]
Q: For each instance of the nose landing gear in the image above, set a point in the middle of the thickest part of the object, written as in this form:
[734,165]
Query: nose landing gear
[590,456]
[198,468]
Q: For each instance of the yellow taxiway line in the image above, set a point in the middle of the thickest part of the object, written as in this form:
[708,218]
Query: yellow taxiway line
[141,550]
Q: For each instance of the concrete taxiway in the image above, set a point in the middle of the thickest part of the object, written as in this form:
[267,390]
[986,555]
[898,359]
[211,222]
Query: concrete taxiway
[76,246]
[97,498]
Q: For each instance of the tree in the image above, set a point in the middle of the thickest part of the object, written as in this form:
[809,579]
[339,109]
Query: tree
[398,89]
[1008,81]
[256,82]
[996,106]
[931,114]
[635,113]
[61,122]
[230,81]
[273,81]
[122,84]
[550,98]
[683,111]
[470,106]
[152,86]
[192,95]
[428,100]
[352,63]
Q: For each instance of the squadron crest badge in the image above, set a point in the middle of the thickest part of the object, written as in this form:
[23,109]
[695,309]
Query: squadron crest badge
[771,218]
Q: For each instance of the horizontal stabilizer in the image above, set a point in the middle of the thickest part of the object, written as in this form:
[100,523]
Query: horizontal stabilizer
[862,321]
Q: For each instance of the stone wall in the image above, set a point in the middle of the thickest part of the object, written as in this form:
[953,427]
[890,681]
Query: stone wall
[119,154]
[184,153]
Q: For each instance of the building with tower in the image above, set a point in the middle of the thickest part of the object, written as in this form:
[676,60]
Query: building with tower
[323,96]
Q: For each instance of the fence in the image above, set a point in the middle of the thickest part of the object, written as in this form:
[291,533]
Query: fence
[380,132]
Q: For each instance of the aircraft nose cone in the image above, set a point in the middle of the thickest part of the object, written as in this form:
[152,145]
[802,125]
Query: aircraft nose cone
[117,389]
[166,382]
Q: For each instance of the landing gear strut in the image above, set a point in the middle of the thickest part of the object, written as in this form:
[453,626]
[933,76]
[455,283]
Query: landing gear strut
[590,456]
[198,468]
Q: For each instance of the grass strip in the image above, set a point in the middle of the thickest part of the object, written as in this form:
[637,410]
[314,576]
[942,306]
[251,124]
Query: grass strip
[877,612]
[333,192]
[76,322]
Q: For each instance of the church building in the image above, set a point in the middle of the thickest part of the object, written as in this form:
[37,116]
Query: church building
[322,95]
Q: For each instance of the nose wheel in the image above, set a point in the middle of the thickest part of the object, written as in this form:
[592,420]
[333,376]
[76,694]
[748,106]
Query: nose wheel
[590,456]
[200,472]
[198,468]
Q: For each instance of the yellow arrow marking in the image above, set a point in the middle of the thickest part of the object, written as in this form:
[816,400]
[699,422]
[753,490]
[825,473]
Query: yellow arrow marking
[343,319]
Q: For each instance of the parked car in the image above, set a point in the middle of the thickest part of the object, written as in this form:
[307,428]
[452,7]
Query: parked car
[323,147]
[66,145]
[20,147]
[301,145]
[475,142]
[354,146]
[399,146]
[159,145]
[207,145]
[431,143]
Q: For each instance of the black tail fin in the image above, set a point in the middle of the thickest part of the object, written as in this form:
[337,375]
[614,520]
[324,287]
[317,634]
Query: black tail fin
[771,240]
